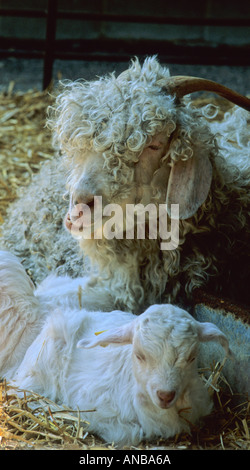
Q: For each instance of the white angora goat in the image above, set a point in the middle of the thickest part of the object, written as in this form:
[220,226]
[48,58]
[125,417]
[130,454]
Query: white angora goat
[134,139]
[144,384]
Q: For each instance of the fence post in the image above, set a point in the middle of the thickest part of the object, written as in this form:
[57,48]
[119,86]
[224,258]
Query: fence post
[50,42]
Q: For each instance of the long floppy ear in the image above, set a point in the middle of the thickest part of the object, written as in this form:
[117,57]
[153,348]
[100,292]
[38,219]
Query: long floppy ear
[189,180]
[210,332]
[121,335]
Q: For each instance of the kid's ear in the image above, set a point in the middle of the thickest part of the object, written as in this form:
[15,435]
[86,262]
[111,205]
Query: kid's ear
[210,332]
[121,335]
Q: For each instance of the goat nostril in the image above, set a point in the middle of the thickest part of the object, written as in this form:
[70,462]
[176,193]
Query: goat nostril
[165,397]
[87,200]
[90,203]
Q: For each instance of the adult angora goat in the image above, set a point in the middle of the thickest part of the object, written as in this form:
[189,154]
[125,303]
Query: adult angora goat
[134,139]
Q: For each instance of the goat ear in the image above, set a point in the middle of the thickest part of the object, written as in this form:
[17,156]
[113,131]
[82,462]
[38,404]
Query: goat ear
[210,332]
[121,335]
[189,182]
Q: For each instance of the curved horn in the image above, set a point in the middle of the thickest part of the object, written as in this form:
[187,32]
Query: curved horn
[182,85]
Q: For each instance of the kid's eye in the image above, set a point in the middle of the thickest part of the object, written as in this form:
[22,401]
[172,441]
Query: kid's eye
[191,359]
[140,357]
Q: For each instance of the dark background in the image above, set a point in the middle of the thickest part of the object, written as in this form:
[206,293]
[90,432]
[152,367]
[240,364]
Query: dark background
[84,38]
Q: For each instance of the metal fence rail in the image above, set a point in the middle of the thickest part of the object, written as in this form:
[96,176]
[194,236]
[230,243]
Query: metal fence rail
[52,48]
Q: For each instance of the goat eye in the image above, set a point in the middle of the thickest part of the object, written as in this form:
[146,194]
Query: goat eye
[140,357]
[191,359]
[154,147]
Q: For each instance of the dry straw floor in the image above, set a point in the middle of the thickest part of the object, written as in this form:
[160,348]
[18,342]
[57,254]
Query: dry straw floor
[28,421]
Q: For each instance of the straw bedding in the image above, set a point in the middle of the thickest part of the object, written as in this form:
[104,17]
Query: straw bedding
[29,421]
[24,141]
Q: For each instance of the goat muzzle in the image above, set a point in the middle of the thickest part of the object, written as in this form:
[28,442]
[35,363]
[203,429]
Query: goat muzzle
[165,398]
[182,85]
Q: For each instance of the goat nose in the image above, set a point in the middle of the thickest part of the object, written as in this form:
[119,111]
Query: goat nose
[165,397]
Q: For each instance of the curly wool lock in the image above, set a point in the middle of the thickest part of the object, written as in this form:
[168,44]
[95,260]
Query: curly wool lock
[109,117]
[96,111]
[108,132]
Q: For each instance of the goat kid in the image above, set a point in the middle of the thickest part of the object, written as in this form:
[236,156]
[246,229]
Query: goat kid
[139,373]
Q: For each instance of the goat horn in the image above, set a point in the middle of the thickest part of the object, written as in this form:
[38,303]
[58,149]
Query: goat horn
[182,85]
